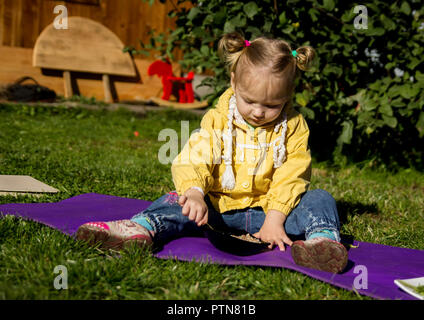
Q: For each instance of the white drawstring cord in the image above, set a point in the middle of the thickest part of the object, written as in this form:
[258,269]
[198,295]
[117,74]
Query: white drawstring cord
[228,180]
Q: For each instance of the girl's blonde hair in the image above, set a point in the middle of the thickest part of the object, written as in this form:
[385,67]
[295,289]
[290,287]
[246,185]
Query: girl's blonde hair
[275,54]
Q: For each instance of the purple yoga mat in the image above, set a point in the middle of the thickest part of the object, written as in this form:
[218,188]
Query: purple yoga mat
[374,266]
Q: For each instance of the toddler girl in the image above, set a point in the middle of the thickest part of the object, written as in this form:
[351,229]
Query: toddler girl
[249,167]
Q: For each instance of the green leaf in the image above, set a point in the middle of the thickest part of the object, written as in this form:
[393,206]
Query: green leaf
[405,8]
[408,91]
[348,16]
[268,26]
[394,91]
[375,31]
[365,118]
[369,105]
[387,22]
[198,32]
[193,13]
[329,5]
[250,9]
[417,51]
[369,130]
[301,99]
[288,29]
[414,63]
[359,96]
[390,121]
[420,124]
[419,77]
[220,16]
[239,20]
[314,14]
[308,113]
[414,105]
[234,6]
[390,65]
[177,31]
[253,31]
[229,26]
[282,18]
[347,132]
[386,109]
[204,50]
[398,103]
[208,19]
[333,68]
[375,86]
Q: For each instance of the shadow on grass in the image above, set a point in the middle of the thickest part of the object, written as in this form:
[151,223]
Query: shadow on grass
[346,208]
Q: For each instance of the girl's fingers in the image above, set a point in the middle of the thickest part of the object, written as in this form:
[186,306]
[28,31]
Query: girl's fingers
[199,217]
[277,239]
[186,209]
[287,240]
[192,215]
[201,221]
[204,220]
[272,243]
[280,244]
[182,200]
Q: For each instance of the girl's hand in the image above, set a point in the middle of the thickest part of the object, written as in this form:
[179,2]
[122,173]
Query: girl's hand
[194,206]
[272,230]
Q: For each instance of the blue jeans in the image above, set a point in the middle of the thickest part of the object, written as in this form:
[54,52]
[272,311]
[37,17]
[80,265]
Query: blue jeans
[316,211]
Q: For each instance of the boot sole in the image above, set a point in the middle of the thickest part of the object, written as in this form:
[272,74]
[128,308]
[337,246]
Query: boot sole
[94,235]
[327,255]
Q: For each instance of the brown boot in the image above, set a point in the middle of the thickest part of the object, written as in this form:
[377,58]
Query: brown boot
[115,234]
[320,253]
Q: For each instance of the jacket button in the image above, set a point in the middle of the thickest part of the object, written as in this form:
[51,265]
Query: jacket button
[245,185]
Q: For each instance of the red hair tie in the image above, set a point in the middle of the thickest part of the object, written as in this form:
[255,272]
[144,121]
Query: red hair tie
[246,43]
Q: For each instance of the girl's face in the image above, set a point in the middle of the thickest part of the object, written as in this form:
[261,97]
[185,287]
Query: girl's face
[260,95]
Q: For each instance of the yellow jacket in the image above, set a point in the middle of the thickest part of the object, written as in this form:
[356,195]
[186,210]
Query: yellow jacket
[260,179]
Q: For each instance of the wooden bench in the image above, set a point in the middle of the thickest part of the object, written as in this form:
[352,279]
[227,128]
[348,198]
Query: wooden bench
[86,46]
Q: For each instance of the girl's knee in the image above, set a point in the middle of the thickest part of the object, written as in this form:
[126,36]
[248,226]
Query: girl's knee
[321,196]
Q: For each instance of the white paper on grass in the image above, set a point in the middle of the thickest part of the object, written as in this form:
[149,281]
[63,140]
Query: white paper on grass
[17,184]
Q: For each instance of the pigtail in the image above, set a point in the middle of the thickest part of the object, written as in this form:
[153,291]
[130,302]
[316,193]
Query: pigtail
[304,57]
[230,48]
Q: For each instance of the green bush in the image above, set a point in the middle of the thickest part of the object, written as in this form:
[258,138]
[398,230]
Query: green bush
[364,99]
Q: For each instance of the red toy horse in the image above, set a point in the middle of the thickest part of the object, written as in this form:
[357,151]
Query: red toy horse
[180,87]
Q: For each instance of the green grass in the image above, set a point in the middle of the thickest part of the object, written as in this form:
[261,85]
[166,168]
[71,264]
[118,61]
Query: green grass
[80,151]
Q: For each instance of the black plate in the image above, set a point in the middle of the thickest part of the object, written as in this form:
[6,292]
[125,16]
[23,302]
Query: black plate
[224,240]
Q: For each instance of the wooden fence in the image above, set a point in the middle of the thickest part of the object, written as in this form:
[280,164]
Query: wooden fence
[21,21]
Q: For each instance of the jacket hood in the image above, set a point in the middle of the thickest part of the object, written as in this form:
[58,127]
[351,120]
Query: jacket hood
[224,101]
